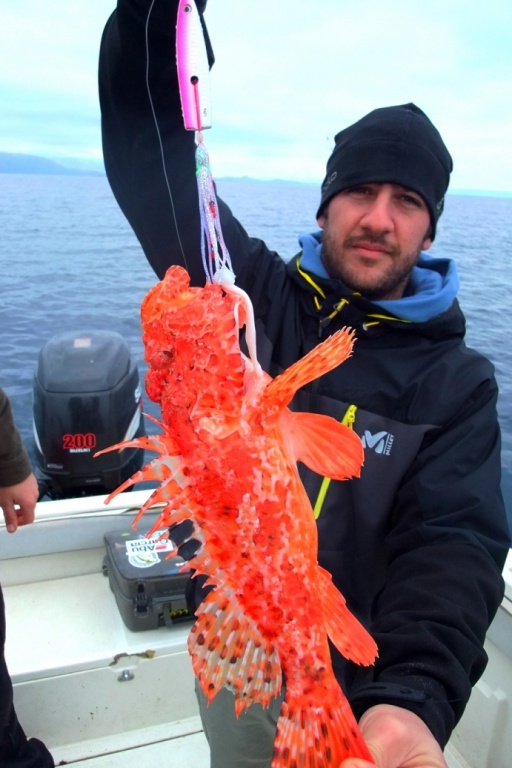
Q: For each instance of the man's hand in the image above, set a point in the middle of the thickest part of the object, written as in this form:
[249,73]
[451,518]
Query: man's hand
[397,738]
[24,495]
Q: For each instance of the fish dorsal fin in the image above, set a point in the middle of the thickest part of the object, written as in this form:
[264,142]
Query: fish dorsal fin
[345,631]
[321,359]
[325,445]
[227,647]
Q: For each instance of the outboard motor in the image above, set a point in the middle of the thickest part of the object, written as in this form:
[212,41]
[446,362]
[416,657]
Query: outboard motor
[87,396]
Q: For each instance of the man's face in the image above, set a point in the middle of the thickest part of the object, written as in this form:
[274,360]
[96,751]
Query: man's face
[372,237]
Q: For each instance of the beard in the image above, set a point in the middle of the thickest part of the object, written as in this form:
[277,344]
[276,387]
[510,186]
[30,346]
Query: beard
[373,284]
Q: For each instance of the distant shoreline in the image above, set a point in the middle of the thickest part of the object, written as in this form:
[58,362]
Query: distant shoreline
[14,163]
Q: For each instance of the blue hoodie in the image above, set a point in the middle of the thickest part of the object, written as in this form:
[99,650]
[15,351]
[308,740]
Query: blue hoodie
[433,285]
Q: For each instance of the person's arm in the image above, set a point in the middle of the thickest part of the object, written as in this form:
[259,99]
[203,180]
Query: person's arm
[149,156]
[18,486]
[447,547]
[142,125]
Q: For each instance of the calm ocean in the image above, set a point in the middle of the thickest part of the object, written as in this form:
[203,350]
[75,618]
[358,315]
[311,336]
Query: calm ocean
[69,261]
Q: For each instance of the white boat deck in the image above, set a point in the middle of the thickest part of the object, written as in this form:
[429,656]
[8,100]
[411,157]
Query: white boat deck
[103,696]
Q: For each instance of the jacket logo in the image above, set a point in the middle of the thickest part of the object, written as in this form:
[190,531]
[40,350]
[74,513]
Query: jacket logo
[381,442]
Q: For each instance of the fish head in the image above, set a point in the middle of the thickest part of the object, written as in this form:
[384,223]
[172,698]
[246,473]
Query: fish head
[191,338]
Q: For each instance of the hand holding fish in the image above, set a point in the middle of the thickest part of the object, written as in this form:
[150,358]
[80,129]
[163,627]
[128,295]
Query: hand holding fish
[397,738]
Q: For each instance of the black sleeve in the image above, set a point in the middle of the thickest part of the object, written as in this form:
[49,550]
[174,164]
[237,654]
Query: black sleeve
[149,156]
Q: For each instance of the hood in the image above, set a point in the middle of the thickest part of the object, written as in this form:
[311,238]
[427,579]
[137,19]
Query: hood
[432,289]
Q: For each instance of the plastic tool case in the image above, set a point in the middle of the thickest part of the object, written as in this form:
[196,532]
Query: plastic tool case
[148,586]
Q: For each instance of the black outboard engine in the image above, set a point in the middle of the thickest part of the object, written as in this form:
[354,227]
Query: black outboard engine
[87,396]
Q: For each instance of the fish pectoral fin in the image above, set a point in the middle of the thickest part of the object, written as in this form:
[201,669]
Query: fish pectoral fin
[348,635]
[325,445]
[227,648]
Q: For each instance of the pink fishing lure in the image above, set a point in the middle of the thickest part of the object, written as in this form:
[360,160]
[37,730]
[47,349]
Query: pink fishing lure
[193,78]
[193,69]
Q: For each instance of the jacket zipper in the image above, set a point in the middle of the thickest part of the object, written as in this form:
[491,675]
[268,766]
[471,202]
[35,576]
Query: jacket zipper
[348,420]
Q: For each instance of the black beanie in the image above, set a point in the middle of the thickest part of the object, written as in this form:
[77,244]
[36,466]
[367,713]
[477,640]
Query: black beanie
[394,145]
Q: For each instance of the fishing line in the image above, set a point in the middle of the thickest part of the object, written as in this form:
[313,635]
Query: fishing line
[159,135]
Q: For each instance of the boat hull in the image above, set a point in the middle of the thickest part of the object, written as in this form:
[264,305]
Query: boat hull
[91,688]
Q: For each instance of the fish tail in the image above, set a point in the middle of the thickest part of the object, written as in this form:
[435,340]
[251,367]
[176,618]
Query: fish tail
[317,736]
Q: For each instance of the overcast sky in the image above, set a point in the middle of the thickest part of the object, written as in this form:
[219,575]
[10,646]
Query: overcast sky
[289,75]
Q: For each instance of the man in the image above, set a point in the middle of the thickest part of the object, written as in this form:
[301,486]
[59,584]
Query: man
[18,497]
[417,545]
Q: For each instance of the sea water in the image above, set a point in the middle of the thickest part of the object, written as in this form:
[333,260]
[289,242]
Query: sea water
[69,261]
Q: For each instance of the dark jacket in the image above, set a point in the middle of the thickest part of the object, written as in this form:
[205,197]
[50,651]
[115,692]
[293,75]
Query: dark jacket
[418,543]
[14,462]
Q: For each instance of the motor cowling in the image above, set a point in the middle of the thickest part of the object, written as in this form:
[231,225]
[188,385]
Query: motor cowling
[87,396]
